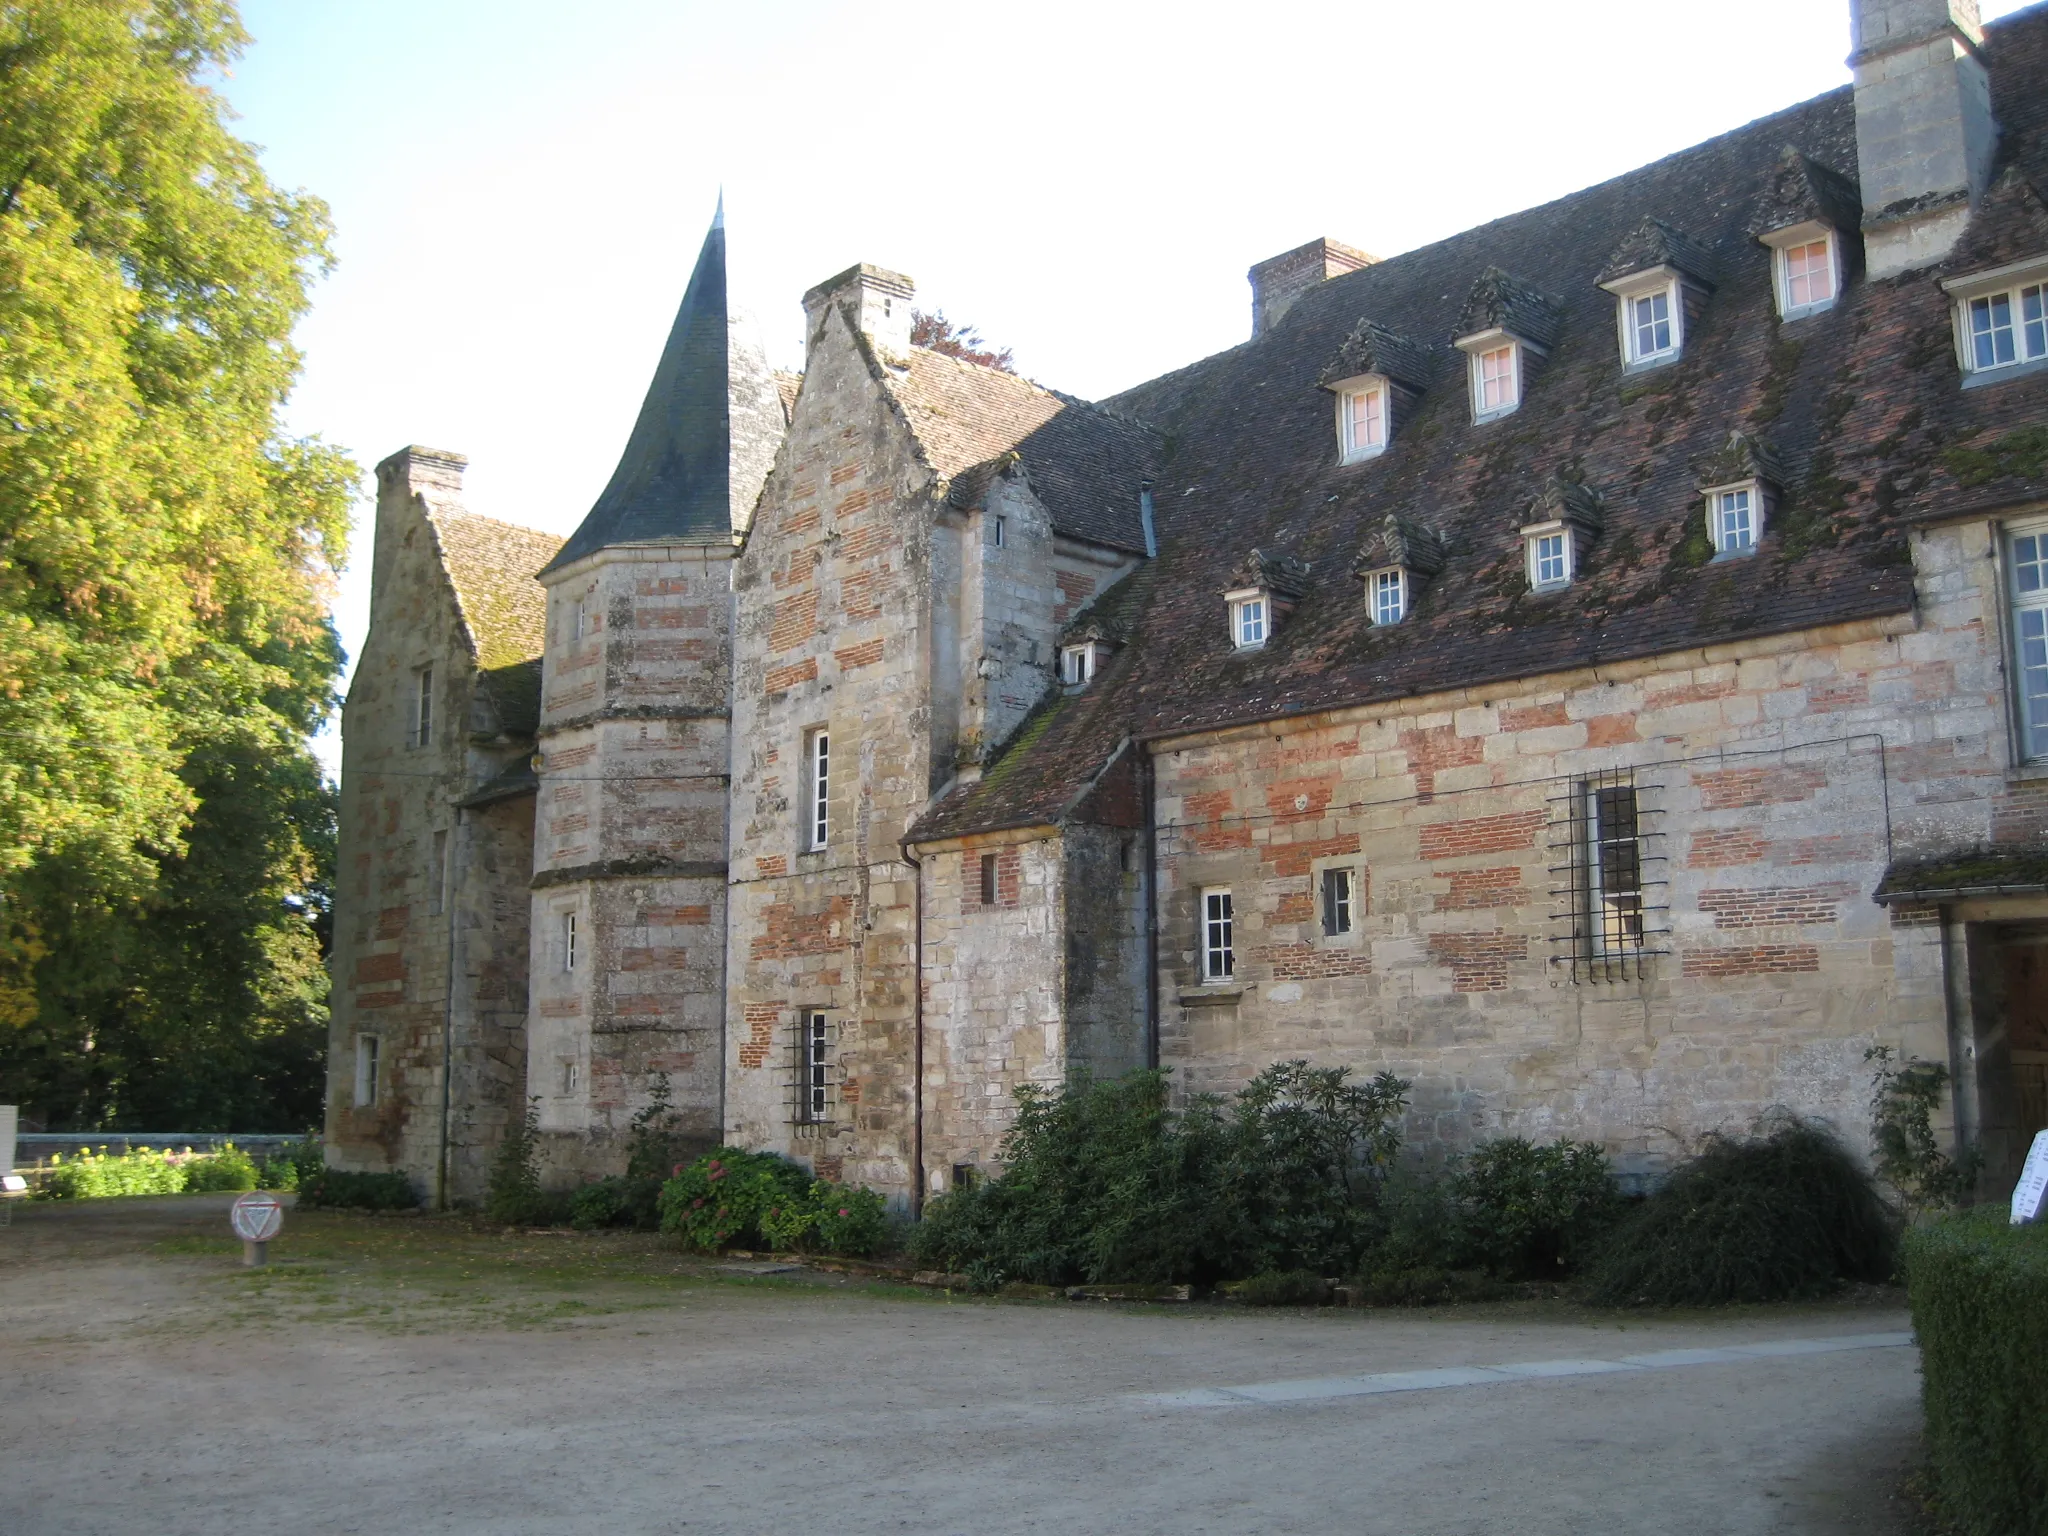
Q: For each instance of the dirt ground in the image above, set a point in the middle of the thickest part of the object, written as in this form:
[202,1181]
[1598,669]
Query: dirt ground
[417,1375]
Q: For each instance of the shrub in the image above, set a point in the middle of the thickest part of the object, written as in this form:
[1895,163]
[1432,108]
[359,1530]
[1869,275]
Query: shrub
[1784,1214]
[1282,1288]
[1979,1290]
[1904,1094]
[292,1164]
[228,1169]
[718,1201]
[514,1196]
[1528,1212]
[100,1176]
[1105,1182]
[828,1218]
[338,1189]
[654,1145]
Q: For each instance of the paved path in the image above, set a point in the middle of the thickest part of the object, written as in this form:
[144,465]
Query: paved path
[736,1408]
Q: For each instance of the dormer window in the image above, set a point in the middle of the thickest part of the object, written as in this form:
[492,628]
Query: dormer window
[1650,331]
[1386,595]
[2002,317]
[1496,380]
[1248,620]
[1549,549]
[1809,274]
[1077,664]
[1362,419]
[1651,315]
[1735,517]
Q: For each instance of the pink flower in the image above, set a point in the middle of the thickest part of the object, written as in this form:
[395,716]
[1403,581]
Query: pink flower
[842,1210]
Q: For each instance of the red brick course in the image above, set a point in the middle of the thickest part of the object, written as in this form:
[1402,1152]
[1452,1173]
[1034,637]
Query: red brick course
[1752,960]
[787,934]
[1510,833]
[866,654]
[1771,905]
[1726,789]
[1432,751]
[779,678]
[761,1019]
[1720,847]
[1476,889]
[1310,962]
[795,621]
[1291,860]
[1478,962]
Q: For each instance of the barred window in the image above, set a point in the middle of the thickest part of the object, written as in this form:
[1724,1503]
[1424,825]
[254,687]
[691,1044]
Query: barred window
[1219,960]
[1614,869]
[1607,919]
[814,1069]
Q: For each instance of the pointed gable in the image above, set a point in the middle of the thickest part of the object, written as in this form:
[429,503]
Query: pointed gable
[1373,349]
[492,566]
[1652,244]
[1803,191]
[1500,301]
[674,481]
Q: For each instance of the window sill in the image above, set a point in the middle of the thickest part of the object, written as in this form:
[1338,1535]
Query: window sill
[1481,418]
[1805,312]
[1984,378]
[1364,455]
[1722,557]
[1636,365]
[1550,588]
[1211,995]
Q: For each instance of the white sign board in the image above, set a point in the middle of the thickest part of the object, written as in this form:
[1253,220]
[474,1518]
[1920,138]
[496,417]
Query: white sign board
[2033,1184]
[257,1216]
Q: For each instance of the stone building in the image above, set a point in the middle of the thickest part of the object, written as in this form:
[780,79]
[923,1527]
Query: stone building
[1595,666]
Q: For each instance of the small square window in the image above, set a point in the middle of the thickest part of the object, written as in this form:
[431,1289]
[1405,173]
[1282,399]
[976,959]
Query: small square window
[1497,389]
[1550,558]
[1809,276]
[2006,328]
[1248,622]
[1365,422]
[1388,593]
[1077,664]
[1336,903]
[1219,958]
[1650,332]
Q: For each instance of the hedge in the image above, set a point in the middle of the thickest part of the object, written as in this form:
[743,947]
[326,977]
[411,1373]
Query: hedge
[1979,1291]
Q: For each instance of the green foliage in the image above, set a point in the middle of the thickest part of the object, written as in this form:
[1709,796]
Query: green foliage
[1528,1212]
[514,1195]
[1979,1290]
[146,1171]
[1106,1182]
[829,1218]
[655,1146]
[1782,1215]
[1282,1288]
[1903,1097]
[228,1169]
[337,1189]
[2023,452]
[719,1200]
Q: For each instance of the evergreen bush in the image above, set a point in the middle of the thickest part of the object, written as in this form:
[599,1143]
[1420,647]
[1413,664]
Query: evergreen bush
[1786,1213]
[1529,1212]
[654,1149]
[1283,1288]
[514,1196]
[338,1189]
[1979,1290]
[228,1169]
[719,1200]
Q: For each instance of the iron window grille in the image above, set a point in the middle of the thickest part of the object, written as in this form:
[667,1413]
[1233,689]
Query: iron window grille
[817,1070]
[1607,878]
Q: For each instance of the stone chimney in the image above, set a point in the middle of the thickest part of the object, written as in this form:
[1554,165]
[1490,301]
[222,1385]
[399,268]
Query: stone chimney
[433,473]
[1924,133]
[877,301]
[1279,280]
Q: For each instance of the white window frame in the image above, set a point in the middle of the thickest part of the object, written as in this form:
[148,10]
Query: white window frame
[1216,941]
[568,930]
[1478,349]
[817,788]
[1758,506]
[1610,931]
[570,1076]
[1367,387]
[1797,237]
[816,1042]
[1377,586]
[422,733]
[1077,664]
[1330,908]
[1533,537]
[368,1074]
[2027,613]
[2023,287]
[1251,619]
[1642,288]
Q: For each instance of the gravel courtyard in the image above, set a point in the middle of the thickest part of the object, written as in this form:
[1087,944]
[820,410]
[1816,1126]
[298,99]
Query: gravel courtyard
[420,1376]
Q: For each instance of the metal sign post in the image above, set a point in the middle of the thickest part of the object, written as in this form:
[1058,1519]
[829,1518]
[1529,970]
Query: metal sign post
[257,1217]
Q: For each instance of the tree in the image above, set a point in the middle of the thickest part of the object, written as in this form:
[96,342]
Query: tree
[938,333]
[166,558]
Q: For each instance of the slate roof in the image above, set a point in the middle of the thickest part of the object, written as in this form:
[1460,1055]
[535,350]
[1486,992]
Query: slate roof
[492,566]
[674,479]
[1085,463]
[1985,872]
[1861,405]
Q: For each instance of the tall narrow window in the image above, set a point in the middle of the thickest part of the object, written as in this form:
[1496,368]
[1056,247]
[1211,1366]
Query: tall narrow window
[1550,559]
[568,941]
[999,532]
[571,1076]
[1077,664]
[1219,959]
[368,1049]
[439,873]
[814,1069]
[1248,622]
[1495,387]
[2029,562]
[423,707]
[1650,334]
[988,879]
[817,788]
[1336,903]
[1614,870]
[1389,591]
[1365,421]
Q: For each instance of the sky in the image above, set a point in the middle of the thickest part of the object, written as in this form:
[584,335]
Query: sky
[519,188]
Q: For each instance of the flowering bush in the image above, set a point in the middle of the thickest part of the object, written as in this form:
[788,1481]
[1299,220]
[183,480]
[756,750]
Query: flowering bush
[145,1171]
[733,1199]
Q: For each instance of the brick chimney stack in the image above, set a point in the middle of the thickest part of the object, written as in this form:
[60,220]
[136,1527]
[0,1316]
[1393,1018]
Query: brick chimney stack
[1279,280]
[876,300]
[1924,132]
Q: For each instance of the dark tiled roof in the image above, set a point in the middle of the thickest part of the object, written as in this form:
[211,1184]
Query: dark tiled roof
[492,566]
[1984,872]
[1501,301]
[1862,404]
[1372,348]
[674,480]
[1803,190]
[1085,463]
[1653,243]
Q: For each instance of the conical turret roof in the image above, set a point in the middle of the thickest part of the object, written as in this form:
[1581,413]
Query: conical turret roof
[674,481]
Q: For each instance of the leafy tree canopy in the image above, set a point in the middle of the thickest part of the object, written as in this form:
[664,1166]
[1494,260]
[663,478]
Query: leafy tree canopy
[166,558]
[935,331]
